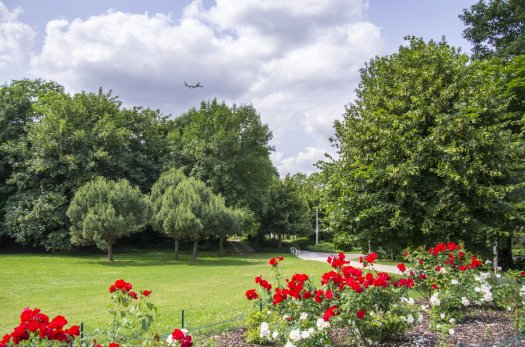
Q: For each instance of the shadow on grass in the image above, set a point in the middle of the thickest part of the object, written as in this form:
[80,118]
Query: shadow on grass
[154,260]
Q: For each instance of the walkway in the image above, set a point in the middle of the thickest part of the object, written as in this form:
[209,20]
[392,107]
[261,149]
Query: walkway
[240,247]
[354,261]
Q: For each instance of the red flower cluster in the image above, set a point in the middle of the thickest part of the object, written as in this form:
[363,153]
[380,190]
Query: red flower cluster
[441,247]
[369,259]
[338,261]
[263,283]
[330,312]
[125,288]
[275,261]
[251,294]
[184,339]
[121,285]
[34,323]
[402,267]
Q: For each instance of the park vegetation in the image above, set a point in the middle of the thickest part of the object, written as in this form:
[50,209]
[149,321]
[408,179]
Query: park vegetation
[431,149]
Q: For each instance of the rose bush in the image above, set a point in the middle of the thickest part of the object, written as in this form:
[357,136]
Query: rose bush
[296,312]
[454,281]
[35,328]
[131,325]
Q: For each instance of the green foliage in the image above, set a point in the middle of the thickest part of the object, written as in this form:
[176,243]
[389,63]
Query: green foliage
[288,211]
[495,27]
[103,211]
[76,138]
[423,155]
[228,149]
[185,208]
[16,112]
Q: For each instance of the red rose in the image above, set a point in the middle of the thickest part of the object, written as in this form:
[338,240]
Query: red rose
[438,268]
[401,267]
[251,294]
[280,258]
[273,262]
[522,273]
[146,292]
[360,314]
[434,286]
[371,258]
[177,334]
[73,331]
[58,322]
[328,294]
[133,295]
[113,344]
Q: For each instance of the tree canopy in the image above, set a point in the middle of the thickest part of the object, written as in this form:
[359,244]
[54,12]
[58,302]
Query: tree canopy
[228,149]
[495,27]
[423,154]
[103,211]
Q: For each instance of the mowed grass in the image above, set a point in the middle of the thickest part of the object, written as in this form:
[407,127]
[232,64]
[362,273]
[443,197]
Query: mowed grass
[76,286]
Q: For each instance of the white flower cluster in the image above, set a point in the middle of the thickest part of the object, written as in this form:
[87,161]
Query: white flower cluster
[465,301]
[484,288]
[297,335]
[322,324]
[434,300]
[267,333]
[409,301]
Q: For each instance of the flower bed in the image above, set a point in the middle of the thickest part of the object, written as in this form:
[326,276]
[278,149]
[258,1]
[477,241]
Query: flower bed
[374,307]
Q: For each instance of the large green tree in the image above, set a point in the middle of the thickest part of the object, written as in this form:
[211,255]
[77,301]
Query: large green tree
[103,211]
[228,149]
[185,208]
[164,202]
[495,27]
[76,138]
[423,154]
[288,212]
[16,112]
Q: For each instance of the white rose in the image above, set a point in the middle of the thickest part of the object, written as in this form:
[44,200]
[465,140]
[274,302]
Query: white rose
[442,316]
[454,281]
[451,331]
[303,316]
[452,321]
[410,319]
[295,335]
[465,301]
[305,334]
[169,340]
[275,334]
[289,344]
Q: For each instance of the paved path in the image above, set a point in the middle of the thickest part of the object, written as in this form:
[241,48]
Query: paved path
[240,247]
[354,261]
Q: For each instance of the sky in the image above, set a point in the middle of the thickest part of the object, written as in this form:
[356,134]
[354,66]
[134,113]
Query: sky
[296,61]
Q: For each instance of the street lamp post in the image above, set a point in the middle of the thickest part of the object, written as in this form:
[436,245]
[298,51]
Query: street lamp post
[317,226]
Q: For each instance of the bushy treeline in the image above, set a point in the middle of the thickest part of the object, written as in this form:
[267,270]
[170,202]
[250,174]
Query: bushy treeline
[433,146]
[55,146]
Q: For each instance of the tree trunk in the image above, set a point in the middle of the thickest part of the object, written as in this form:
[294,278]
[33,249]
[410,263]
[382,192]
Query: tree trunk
[176,249]
[195,246]
[110,251]
[222,253]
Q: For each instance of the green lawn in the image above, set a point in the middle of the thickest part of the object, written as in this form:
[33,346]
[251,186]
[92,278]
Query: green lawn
[76,286]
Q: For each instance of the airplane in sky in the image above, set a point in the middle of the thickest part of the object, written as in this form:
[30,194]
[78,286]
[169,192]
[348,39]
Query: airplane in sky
[198,85]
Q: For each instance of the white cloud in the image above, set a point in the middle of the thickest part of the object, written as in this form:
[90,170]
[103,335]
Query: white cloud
[296,62]
[16,39]
[302,162]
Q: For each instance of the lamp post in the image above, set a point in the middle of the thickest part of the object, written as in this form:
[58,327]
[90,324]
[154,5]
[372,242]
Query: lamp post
[317,225]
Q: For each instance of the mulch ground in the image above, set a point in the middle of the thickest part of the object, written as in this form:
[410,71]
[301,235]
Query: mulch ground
[477,328]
